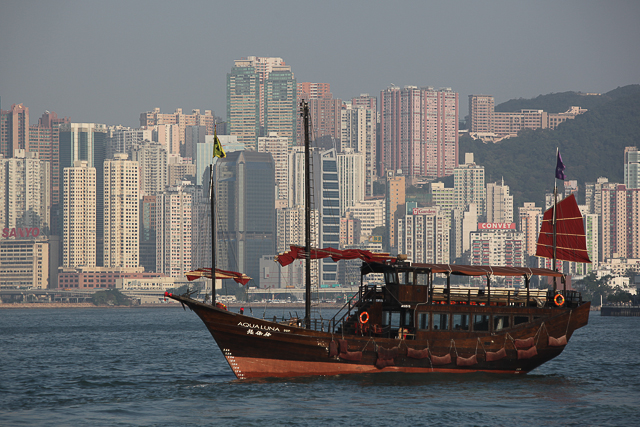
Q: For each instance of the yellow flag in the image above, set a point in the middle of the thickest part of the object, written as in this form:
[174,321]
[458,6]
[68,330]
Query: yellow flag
[218,151]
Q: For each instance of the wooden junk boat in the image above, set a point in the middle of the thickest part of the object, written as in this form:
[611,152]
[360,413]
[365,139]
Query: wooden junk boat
[410,322]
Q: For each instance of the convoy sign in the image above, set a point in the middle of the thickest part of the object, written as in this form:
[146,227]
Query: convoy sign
[496,226]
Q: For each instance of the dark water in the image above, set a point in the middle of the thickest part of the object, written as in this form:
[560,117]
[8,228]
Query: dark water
[161,367]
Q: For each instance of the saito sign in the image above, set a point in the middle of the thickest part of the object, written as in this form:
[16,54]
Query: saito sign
[20,232]
[496,226]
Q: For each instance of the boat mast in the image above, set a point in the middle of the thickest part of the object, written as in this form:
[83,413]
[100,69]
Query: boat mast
[555,203]
[213,236]
[304,111]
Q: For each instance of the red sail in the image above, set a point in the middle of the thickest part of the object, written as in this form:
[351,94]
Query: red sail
[571,243]
[298,252]
[241,278]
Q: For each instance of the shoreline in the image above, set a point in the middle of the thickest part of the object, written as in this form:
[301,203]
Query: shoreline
[235,306]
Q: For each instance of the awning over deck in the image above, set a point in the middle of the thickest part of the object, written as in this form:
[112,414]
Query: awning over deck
[483,270]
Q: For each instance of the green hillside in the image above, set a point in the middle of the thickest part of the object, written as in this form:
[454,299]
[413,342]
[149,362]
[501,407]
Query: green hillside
[561,102]
[591,145]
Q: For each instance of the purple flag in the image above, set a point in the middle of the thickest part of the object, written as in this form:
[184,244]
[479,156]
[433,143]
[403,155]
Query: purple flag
[560,168]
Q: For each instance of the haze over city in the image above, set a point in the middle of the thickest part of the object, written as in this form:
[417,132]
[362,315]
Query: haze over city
[108,62]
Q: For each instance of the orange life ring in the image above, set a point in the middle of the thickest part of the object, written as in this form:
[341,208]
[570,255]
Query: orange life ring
[364,317]
[559,300]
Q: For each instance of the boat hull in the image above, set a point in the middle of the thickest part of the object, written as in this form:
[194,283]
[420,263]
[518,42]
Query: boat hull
[257,348]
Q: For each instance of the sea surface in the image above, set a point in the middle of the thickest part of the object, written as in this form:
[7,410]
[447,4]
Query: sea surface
[160,367]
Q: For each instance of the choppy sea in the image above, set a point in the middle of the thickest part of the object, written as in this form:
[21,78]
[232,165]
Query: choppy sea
[160,367]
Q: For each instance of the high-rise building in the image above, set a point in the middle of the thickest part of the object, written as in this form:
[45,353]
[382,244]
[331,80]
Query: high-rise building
[351,178]
[173,232]
[155,117]
[423,235]
[631,167]
[86,141]
[121,212]
[468,182]
[419,131]
[440,132]
[327,201]
[291,228]
[278,147]
[593,194]
[247,99]
[358,132]
[499,247]
[193,135]
[180,169]
[499,203]
[280,103]
[620,218]
[395,197]
[152,158]
[463,223]
[324,111]
[243,104]
[481,113]
[530,217]
[122,139]
[245,199]
[79,216]
[349,232]
[14,130]
[25,200]
[148,225]
[371,215]
[44,138]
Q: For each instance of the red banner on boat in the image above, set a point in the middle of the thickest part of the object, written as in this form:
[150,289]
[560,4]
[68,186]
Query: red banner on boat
[298,252]
[571,243]
[243,279]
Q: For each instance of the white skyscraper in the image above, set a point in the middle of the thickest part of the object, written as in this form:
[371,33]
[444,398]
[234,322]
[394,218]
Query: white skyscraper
[152,158]
[423,235]
[278,148]
[25,196]
[358,132]
[121,212]
[351,178]
[468,183]
[499,203]
[79,216]
[173,232]
[632,167]
[530,220]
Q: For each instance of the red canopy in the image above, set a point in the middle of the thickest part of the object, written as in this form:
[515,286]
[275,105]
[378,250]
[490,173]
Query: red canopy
[243,279]
[571,243]
[298,252]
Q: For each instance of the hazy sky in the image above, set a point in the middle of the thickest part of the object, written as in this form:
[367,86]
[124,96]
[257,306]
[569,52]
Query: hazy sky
[108,61]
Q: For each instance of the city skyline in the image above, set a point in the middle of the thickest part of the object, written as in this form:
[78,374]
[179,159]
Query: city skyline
[471,47]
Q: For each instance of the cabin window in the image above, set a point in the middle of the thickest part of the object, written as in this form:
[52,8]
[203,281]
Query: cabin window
[440,321]
[390,277]
[518,320]
[424,321]
[407,277]
[460,322]
[500,322]
[422,279]
[395,319]
[408,321]
[481,322]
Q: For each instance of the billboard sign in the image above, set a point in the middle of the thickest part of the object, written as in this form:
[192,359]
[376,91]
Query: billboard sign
[496,226]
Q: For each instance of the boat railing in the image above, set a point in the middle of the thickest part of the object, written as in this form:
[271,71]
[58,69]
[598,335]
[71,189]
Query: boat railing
[352,304]
[483,296]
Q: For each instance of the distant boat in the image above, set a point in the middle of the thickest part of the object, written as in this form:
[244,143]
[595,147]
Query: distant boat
[409,323]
